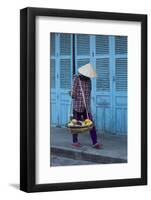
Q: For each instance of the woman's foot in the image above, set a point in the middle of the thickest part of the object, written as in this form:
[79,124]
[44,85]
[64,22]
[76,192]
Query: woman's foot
[98,146]
[76,144]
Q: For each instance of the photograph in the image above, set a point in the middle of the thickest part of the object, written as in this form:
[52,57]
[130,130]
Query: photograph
[88,99]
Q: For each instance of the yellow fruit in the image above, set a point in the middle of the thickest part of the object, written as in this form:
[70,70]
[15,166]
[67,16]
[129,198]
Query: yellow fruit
[87,120]
[74,121]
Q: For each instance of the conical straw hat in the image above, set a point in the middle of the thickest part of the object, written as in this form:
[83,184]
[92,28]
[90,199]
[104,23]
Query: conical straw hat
[87,70]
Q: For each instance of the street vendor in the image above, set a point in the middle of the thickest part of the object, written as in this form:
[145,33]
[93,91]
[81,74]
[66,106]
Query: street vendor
[81,107]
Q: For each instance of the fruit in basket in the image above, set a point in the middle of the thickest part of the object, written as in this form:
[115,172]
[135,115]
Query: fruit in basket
[78,123]
[88,122]
[74,121]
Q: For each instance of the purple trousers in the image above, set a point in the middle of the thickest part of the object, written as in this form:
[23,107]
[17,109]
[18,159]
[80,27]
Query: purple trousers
[83,116]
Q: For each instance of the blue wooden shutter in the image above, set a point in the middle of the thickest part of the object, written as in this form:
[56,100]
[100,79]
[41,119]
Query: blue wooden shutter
[103,79]
[53,80]
[121,84]
[52,44]
[83,45]
[121,74]
[120,44]
[52,60]
[65,61]
[102,63]
[65,44]
[121,63]
[102,44]
[103,91]
[82,50]
[65,74]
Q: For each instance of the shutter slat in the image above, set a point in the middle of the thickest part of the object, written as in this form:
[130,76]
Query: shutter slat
[102,70]
[120,44]
[65,73]
[83,44]
[121,74]
[52,44]
[102,44]
[65,44]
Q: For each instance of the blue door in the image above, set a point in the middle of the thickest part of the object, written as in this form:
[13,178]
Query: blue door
[61,77]
[102,96]
[110,91]
[108,55]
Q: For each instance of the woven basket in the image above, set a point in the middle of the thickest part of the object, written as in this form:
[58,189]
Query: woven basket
[82,129]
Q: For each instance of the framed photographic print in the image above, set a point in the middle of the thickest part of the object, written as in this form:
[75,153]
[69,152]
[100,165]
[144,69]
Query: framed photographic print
[83,99]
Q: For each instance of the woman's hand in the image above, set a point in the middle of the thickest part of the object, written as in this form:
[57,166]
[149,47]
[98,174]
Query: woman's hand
[71,94]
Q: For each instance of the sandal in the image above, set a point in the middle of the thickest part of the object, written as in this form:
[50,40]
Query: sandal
[98,146]
[76,144]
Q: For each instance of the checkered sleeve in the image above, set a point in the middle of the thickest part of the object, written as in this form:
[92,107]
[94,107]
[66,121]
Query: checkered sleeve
[74,86]
[90,85]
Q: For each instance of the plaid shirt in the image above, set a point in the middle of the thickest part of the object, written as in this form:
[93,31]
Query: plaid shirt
[78,103]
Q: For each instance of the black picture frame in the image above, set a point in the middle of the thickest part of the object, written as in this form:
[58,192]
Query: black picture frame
[28,99]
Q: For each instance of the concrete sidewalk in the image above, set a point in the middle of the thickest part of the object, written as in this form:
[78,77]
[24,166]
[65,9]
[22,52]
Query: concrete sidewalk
[114,147]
